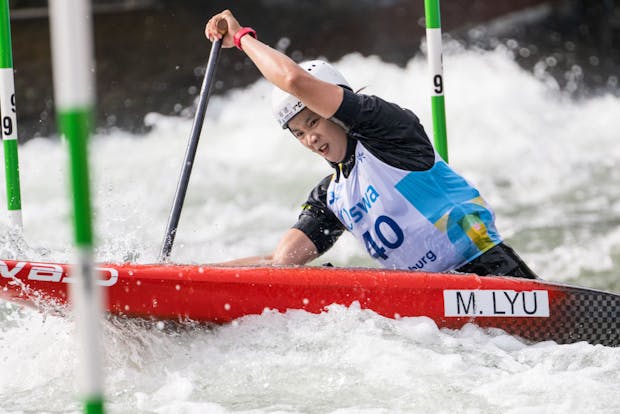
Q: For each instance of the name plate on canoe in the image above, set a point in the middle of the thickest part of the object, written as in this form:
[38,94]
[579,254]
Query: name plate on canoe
[496,303]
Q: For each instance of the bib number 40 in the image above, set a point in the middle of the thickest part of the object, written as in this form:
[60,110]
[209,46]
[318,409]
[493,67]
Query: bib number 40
[388,233]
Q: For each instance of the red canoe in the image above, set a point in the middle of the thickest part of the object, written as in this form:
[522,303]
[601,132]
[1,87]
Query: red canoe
[534,310]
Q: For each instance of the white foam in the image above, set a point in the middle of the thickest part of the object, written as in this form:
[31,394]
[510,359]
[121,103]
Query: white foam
[547,164]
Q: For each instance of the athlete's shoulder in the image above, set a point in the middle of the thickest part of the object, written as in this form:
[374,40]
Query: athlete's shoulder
[316,220]
[317,199]
[359,111]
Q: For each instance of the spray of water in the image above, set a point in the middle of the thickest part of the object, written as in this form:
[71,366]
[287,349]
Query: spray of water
[547,164]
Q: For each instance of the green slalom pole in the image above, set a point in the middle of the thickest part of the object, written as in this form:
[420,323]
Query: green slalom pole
[9,119]
[435,59]
[74,86]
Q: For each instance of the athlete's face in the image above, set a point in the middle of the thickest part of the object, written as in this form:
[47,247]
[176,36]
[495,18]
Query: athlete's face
[319,135]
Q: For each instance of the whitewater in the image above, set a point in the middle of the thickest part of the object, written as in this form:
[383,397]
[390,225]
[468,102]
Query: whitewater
[546,163]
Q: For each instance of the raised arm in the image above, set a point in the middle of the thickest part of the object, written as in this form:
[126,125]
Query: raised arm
[321,97]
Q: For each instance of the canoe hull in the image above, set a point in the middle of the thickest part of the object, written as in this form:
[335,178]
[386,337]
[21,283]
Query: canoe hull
[533,310]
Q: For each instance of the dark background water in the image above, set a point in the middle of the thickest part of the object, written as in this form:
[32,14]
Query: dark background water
[151,53]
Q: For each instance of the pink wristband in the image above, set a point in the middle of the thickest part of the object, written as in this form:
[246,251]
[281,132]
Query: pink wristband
[242,32]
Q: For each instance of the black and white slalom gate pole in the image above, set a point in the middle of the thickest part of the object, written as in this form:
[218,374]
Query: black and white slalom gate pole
[192,145]
[74,86]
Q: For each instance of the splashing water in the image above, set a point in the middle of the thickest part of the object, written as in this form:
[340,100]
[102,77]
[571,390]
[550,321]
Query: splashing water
[547,164]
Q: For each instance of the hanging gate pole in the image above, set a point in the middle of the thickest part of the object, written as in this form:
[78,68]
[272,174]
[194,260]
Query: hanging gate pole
[435,60]
[74,86]
[9,119]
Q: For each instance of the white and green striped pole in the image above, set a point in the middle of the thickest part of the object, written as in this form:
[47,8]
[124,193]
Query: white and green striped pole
[74,90]
[435,59]
[9,120]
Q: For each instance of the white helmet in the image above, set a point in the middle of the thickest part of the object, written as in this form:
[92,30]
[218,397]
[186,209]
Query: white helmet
[285,106]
